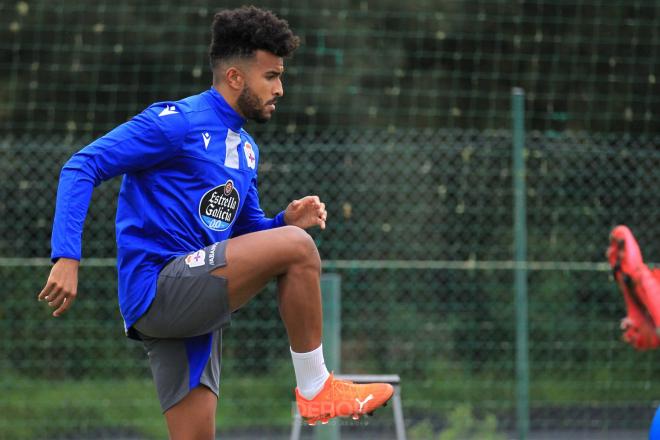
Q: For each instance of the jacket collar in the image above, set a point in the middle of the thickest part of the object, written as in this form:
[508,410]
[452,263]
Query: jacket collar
[227,114]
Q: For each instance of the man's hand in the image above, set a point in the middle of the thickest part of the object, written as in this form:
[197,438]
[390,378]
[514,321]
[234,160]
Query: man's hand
[62,285]
[306,212]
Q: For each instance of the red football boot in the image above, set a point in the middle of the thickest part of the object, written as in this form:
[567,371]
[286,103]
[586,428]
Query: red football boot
[640,288]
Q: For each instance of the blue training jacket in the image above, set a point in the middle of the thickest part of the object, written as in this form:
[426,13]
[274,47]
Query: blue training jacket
[190,180]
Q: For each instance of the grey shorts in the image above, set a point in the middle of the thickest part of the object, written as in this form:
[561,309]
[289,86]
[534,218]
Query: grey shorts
[182,329]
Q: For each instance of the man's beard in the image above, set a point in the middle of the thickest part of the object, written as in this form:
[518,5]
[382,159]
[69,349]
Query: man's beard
[251,107]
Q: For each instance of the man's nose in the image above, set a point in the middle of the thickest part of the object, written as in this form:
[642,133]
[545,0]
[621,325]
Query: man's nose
[279,90]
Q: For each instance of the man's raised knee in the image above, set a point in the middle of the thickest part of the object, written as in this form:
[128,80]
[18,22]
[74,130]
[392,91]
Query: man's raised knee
[302,246]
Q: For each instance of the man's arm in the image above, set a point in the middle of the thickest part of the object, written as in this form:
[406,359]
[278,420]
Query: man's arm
[252,217]
[304,213]
[138,144]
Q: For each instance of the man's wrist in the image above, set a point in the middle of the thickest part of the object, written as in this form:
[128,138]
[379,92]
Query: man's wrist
[280,219]
[67,260]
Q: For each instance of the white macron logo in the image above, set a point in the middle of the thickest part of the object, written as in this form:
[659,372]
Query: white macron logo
[369,397]
[168,110]
[207,139]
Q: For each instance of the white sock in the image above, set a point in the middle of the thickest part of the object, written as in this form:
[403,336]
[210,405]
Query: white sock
[311,373]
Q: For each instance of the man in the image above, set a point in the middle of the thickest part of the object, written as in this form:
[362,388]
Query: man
[193,243]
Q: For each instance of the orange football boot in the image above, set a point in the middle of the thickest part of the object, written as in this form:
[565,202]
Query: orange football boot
[343,398]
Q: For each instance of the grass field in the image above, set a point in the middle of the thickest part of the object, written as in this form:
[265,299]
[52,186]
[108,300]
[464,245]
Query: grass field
[42,409]
[35,408]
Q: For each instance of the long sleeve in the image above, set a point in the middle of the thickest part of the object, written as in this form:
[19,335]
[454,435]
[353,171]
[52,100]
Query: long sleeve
[252,217]
[148,139]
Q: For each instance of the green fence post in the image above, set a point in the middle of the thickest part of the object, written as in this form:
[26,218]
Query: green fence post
[331,293]
[520,258]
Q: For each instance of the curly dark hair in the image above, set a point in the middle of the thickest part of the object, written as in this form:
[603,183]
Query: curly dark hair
[241,32]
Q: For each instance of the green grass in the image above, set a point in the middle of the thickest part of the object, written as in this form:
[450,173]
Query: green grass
[42,409]
[39,408]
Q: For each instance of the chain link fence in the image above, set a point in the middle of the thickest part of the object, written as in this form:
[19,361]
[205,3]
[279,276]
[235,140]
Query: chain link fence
[398,117]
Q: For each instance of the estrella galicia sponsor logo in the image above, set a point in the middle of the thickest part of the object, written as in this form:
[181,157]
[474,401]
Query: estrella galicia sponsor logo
[218,207]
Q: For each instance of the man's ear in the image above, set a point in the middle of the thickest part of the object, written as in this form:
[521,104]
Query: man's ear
[235,78]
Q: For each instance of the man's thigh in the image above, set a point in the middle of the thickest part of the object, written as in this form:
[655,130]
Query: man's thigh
[194,416]
[254,259]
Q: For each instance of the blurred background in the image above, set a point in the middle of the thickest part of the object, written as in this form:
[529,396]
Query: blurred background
[398,114]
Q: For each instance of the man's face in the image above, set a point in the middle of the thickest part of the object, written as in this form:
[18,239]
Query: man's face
[263,85]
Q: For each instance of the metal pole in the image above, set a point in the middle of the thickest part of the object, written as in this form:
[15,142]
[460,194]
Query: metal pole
[520,257]
[331,294]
